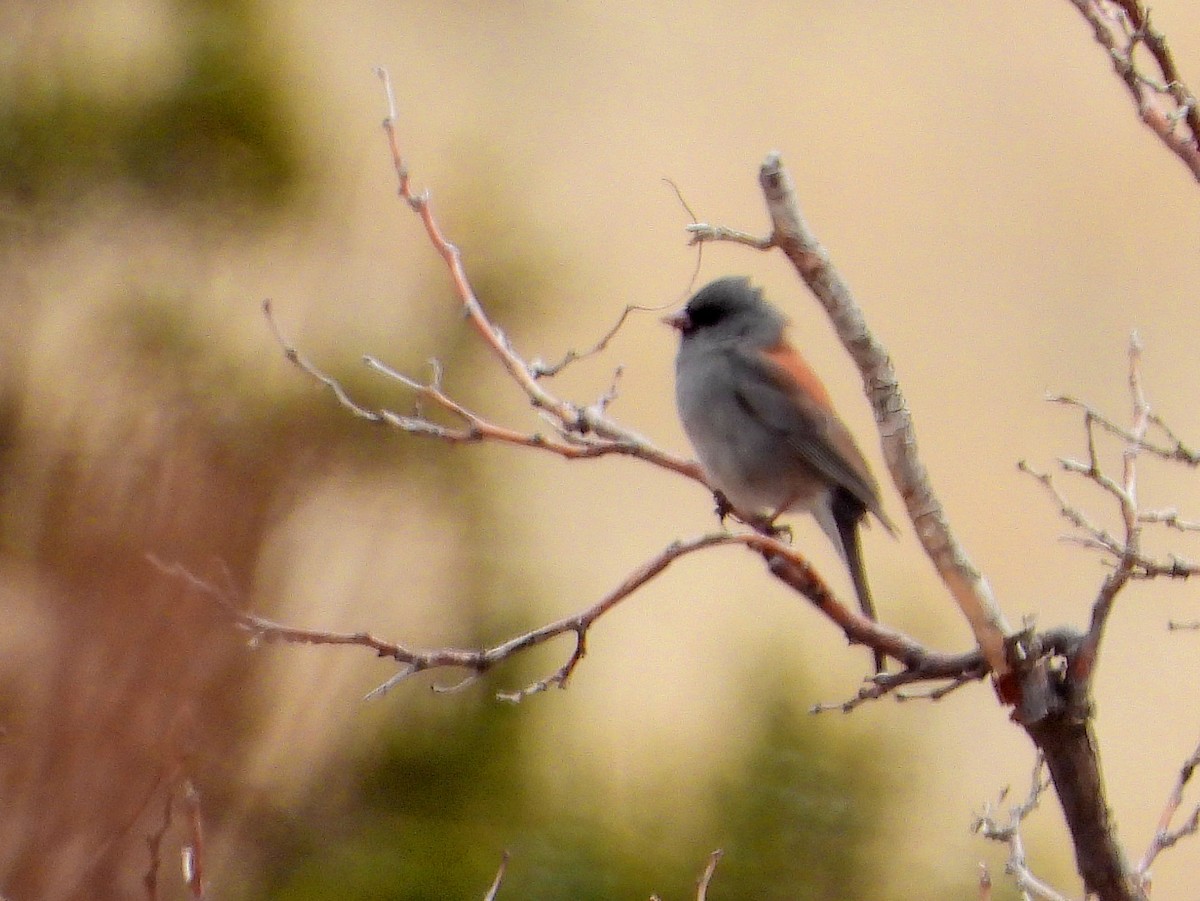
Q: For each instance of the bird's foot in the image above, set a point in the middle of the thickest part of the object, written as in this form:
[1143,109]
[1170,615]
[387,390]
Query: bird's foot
[767,526]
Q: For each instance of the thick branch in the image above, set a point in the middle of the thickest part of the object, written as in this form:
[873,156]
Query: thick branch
[1069,746]
[791,234]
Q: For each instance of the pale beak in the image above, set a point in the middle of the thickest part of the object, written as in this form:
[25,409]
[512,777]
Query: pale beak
[680,320]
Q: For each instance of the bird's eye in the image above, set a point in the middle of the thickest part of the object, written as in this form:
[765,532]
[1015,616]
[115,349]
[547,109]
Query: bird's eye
[704,315]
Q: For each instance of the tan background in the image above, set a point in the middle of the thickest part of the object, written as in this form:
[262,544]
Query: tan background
[976,172]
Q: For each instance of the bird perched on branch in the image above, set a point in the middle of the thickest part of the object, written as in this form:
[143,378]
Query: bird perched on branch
[763,426]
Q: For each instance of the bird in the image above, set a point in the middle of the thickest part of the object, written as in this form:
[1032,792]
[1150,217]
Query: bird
[763,426]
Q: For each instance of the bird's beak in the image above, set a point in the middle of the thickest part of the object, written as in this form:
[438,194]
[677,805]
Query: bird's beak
[680,320]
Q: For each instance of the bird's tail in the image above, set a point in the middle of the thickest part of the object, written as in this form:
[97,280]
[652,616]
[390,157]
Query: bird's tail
[847,521]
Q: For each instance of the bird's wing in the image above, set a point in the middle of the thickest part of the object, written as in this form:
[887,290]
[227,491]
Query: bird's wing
[785,396]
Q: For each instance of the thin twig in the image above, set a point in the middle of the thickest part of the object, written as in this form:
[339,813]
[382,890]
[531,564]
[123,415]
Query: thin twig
[1082,665]
[154,846]
[575,439]
[971,668]
[500,871]
[1177,626]
[1095,537]
[702,231]
[1165,836]
[706,877]
[699,245]
[540,370]
[1007,831]
[1175,450]
[193,851]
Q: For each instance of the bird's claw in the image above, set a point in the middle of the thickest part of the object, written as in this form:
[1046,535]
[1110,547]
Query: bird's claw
[724,509]
[767,526]
[762,523]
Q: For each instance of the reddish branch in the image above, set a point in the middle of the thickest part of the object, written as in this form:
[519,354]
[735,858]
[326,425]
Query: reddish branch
[921,665]
[585,427]
[1165,835]
[1163,101]
[585,432]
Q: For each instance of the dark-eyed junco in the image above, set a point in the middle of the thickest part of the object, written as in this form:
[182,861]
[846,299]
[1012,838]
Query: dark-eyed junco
[762,423]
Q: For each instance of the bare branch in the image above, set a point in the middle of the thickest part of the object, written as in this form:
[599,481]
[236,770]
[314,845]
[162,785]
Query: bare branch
[1097,538]
[702,231]
[784,562]
[1128,561]
[1061,727]
[961,670]
[1170,518]
[699,246]
[1175,450]
[541,370]
[578,431]
[1163,101]
[475,661]
[525,375]
[297,359]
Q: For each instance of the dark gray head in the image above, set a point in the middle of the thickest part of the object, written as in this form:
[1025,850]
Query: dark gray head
[729,308]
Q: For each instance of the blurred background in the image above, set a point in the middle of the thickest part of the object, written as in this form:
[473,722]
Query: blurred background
[978,175]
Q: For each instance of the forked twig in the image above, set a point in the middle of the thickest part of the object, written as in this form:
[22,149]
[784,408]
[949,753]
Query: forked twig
[1165,836]
[1007,831]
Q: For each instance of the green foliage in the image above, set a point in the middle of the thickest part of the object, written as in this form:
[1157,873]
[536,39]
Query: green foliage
[442,793]
[444,779]
[216,136]
[801,813]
